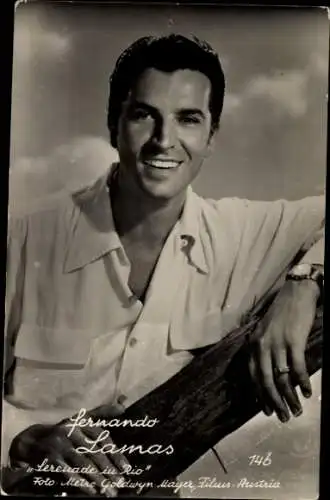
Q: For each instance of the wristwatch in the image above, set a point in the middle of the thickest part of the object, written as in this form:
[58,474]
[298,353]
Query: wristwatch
[306,271]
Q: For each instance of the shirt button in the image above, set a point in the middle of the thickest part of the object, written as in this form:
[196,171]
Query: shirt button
[121,399]
[132,342]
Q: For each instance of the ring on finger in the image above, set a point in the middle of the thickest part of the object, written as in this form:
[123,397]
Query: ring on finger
[279,372]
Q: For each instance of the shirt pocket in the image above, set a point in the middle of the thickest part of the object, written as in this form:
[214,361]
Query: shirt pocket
[51,366]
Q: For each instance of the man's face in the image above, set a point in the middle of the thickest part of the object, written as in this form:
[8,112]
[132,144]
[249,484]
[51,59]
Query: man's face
[164,131]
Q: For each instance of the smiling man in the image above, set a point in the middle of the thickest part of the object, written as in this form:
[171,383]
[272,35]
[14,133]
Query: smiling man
[111,289]
[164,134]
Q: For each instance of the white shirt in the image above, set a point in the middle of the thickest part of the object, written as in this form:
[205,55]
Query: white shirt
[76,337]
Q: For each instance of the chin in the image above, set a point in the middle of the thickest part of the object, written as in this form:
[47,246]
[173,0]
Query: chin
[159,192]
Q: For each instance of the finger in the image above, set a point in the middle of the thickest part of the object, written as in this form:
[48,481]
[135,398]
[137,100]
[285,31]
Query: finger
[100,462]
[86,439]
[63,447]
[118,460]
[266,370]
[91,474]
[73,480]
[283,382]
[19,464]
[299,370]
[60,450]
[253,369]
[109,489]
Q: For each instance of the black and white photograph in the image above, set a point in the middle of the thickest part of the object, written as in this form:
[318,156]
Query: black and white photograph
[165,251]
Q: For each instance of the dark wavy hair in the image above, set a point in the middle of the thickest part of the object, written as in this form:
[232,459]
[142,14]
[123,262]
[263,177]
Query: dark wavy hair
[165,53]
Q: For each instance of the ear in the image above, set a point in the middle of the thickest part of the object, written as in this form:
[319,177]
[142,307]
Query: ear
[211,143]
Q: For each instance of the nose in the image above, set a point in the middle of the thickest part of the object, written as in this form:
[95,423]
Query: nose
[165,134]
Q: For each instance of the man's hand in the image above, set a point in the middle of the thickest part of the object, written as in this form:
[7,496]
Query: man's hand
[58,444]
[277,361]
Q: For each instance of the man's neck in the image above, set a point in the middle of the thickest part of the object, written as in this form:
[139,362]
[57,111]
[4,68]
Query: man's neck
[142,218]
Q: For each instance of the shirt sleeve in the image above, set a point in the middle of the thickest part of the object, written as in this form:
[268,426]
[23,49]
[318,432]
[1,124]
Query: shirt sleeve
[14,418]
[313,250]
[270,238]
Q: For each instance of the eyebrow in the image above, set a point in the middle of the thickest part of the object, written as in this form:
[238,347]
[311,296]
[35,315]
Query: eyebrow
[143,105]
[181,112]
[192,111]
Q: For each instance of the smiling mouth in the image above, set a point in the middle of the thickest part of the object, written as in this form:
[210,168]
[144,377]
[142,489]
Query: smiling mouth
[162,164]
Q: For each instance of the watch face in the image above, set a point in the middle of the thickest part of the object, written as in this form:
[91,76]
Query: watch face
[301,270]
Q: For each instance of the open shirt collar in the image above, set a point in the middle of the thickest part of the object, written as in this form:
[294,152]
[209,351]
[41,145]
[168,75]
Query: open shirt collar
[93,233]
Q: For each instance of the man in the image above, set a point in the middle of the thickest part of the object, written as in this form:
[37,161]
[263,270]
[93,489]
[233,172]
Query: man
[111,288]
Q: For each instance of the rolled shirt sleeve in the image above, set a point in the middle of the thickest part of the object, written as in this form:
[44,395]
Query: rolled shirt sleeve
[299,224]
[267,238]
[315,249]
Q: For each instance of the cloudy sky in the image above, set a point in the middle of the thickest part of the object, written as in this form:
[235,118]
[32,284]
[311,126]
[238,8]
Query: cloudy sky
[272,140]
[271,144]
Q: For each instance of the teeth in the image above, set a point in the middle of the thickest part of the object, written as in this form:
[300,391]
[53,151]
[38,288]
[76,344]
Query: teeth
[162,163]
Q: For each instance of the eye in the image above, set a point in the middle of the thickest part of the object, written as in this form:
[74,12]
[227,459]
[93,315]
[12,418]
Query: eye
[190,119]
[137,114]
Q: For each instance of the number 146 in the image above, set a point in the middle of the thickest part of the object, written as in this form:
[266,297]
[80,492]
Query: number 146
[259,460]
